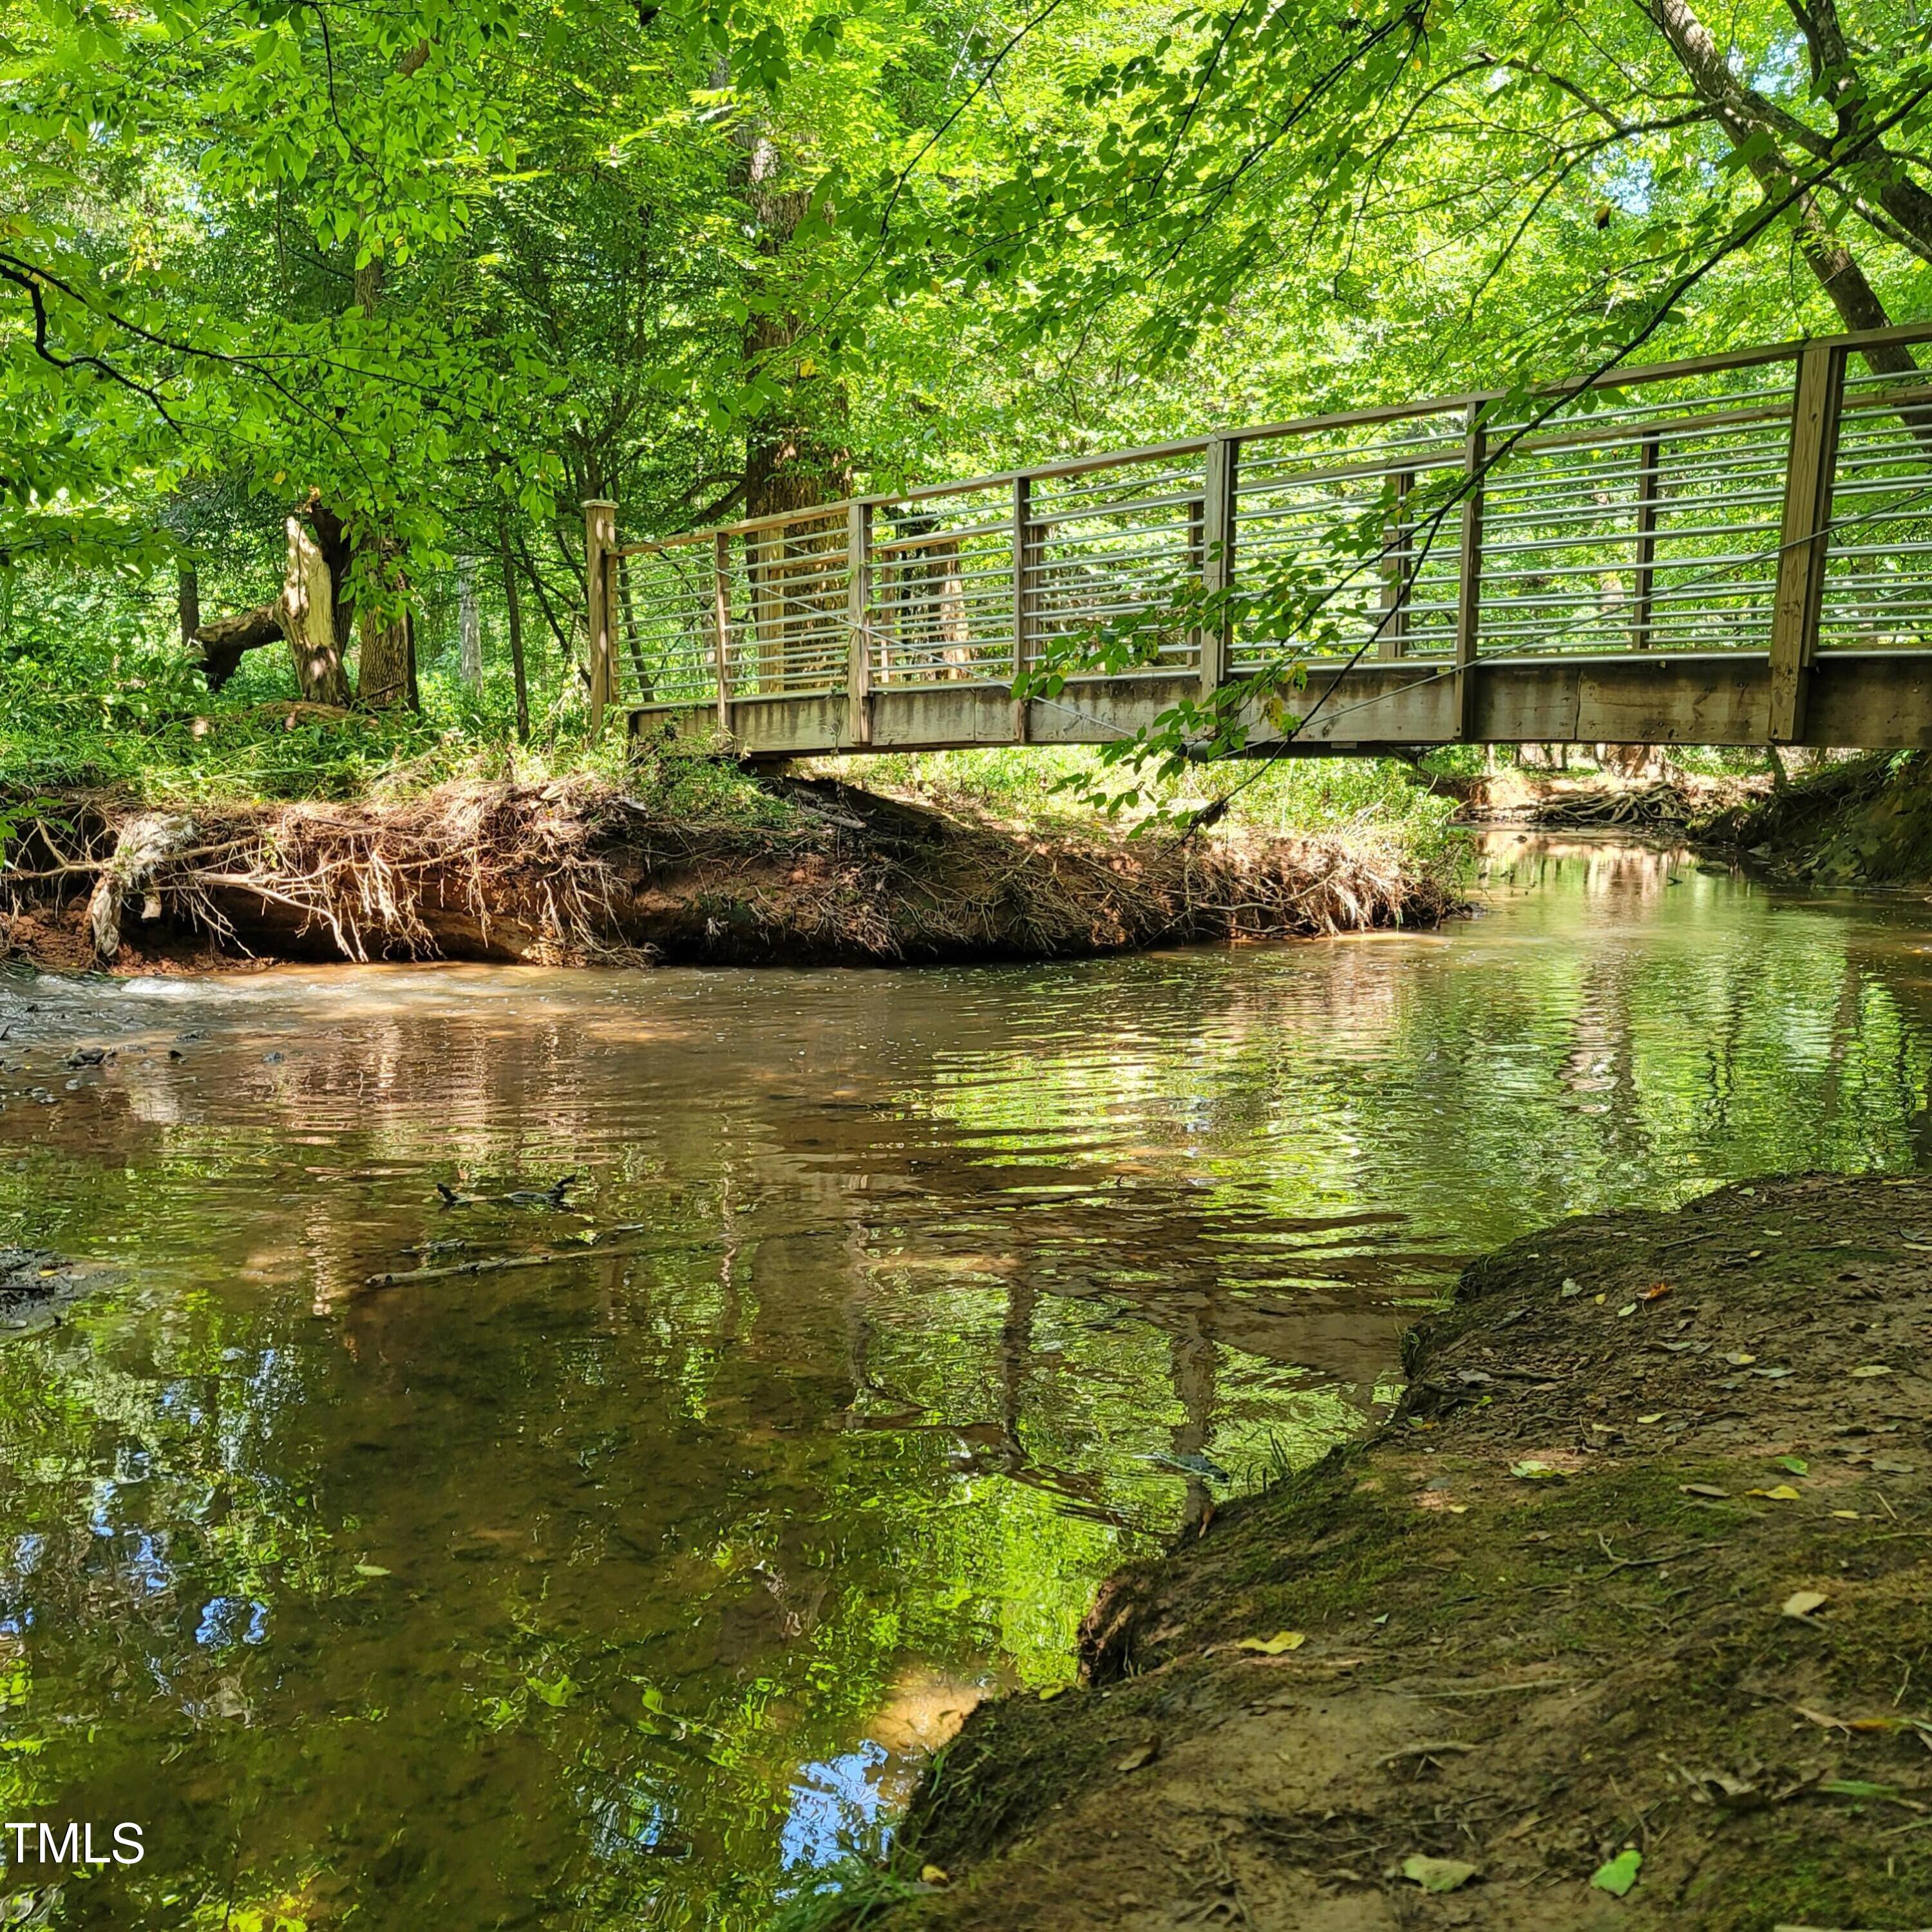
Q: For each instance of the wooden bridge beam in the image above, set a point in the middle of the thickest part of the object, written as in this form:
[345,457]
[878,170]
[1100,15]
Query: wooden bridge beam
[600,542]
[1397,562]
[1469,575]
[858,613]
[1026,595]
[1805,536]
[1215,641]
[1881,699]
[720,623]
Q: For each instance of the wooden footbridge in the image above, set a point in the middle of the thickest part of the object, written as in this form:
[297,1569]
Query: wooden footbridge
[1735,550]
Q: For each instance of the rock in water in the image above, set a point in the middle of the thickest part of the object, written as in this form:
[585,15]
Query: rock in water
[34,1287]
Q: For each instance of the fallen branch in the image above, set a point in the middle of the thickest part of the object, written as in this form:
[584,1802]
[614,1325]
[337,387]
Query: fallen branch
[1433,1750]
[590,1251]
[504,1263]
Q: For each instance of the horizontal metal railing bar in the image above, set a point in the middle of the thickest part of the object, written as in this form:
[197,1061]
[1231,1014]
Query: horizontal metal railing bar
[1617,423]
[1684,484]
[1045,520]
[982,581]
[949,594]
[1706,533]
[936,586]
[890,547]
[1514,513]
[922,628]
[1096,499]
[913,654]
[1913,546]
[1061,574]
[1615,381]
[1296,463]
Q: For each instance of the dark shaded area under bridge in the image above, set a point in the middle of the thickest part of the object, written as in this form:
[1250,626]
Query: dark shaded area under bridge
[1732,550]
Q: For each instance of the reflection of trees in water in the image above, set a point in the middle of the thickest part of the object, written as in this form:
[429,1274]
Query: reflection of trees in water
[737,1476]
[632,1461]
[1587,868]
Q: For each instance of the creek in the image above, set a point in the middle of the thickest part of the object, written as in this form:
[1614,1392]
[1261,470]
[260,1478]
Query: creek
[626,1589]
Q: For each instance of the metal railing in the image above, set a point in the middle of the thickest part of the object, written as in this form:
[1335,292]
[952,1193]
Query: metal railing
[1776,500]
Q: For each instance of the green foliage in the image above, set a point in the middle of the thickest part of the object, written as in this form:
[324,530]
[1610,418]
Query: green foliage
[1049,789]
[446,270]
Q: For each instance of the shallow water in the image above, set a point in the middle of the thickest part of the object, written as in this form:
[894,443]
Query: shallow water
[625,1590]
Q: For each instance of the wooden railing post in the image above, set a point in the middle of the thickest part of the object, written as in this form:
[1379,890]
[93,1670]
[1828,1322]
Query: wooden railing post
[1469,575]
[721,624]
[1215,640]
[1805,537]
[1393,639]
[757,574]
[600,540]
[1026,599]
[1648,490]
[859,617]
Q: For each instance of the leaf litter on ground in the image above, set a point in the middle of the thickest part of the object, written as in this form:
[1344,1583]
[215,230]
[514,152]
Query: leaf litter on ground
[1438,1874]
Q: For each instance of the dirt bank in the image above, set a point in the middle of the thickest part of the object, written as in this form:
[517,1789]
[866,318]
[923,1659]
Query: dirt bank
[1860,821]
[579,872]
[1636,1589]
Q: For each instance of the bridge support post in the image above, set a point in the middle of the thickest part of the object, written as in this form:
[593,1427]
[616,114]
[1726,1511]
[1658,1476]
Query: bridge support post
[600,543]
[1397,534]
[1026,597]
[721,624]
[1215,641]
[859,618]
[1804,536]
[1649,490]
[1469,576]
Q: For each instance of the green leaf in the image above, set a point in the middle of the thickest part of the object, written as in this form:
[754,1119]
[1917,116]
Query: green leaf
[1619,1874]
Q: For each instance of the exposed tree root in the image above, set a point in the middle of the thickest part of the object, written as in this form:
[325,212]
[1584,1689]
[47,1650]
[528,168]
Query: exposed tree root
[1864,821]
[1597,801]
[577,872]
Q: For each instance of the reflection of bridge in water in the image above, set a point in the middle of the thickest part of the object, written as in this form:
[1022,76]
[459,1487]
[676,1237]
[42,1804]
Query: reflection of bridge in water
[1733,549]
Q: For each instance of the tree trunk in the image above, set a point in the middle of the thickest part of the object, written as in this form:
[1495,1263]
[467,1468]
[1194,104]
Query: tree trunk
[470,628]
[512,604]
[791,463]
[1837,270]
[386,675]
[308,619]
[387,679]
[222,640]
[332,537]
[187,603]
[632,635]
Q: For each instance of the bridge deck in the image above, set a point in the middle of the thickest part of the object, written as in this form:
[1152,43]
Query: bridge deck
[1732,550]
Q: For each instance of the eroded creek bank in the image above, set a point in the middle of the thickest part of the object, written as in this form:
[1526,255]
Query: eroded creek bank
[1634,1590]
[578,872]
